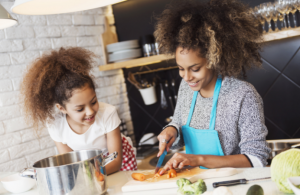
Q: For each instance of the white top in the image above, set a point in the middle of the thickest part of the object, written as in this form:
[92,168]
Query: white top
[106,120]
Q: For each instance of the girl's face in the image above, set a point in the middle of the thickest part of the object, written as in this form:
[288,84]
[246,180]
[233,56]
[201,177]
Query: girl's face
[82,107]
[192,68]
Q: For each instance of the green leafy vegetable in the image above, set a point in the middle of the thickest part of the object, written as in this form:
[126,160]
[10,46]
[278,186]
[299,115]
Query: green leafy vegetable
[285,165]
[187,188]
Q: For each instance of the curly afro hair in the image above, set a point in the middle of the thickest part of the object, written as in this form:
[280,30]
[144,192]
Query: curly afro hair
[224,31]
[51,79]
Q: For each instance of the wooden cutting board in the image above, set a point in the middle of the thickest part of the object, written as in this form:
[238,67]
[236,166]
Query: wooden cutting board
[163,182]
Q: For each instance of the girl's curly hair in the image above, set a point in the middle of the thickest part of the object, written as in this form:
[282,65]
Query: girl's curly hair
[51,79]
[225,31]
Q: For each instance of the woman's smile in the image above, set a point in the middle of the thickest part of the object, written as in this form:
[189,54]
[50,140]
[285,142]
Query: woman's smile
[193,84]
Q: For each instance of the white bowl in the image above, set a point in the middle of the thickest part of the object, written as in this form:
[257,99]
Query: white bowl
[17,184]
[292,182]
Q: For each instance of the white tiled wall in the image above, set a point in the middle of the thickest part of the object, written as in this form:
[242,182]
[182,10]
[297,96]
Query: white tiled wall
[19,45]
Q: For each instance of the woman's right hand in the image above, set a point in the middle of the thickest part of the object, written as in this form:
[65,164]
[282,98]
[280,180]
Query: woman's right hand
[169,134]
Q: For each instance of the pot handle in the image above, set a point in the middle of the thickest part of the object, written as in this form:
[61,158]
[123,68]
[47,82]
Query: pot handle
[295,146]
[109,158]
[29,173]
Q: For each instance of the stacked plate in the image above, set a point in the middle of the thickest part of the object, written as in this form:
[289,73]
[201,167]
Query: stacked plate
[123,51]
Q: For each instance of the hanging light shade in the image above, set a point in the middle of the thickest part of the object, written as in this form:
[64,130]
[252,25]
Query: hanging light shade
[5,19]
[46,7]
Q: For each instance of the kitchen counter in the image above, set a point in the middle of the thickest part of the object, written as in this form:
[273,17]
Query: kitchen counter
[117,180]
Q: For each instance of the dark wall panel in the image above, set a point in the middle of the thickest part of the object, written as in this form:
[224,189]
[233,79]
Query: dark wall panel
[134,18]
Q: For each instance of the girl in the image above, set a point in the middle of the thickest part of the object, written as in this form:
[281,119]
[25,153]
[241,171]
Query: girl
[62,79]
[219,117]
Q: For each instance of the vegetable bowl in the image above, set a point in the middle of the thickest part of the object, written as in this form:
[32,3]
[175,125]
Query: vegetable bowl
[294,182]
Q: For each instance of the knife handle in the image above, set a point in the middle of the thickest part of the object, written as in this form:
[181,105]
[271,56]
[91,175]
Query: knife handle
[229,183]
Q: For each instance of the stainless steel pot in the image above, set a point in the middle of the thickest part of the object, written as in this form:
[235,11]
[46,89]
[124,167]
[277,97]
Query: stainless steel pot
[278,147]
[74,173]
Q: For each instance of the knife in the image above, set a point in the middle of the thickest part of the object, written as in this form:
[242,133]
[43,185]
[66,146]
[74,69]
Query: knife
[160,161]
[235,182]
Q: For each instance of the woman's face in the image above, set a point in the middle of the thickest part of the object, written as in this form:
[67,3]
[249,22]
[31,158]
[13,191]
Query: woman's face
[82,106]
[192,68]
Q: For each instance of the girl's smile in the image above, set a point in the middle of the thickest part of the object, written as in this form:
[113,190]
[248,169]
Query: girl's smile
[90,119]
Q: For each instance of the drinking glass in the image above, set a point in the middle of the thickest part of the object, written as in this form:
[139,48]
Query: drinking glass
[257,13]
[267,13]
[287,11]
[281,7]
[293,10]
[275,14]
[297,5]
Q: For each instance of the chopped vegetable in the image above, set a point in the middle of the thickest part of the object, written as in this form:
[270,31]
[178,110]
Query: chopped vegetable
[186,187]
[283,166]
[160,171]
[298,186]
[172,173]
[157,175]
[138,176]
[255,190]
[99,176]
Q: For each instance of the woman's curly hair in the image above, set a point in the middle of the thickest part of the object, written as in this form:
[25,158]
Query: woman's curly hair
[51,79]
[225,31]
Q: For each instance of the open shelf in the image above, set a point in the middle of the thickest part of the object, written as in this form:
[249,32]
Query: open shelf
[292,32]
[283,34]
[136,62]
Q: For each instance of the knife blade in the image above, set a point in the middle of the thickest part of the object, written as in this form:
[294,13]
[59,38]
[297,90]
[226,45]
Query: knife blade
[160,161]
[236,182]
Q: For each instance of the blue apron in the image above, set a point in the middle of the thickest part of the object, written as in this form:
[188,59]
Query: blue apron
[203,141]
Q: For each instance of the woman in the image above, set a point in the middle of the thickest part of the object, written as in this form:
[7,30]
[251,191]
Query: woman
[218,116]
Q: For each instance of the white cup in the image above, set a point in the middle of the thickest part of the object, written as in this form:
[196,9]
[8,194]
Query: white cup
[148,95]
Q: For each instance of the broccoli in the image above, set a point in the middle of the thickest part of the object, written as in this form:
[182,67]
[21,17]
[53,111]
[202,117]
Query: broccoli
[187,188]
[181,182]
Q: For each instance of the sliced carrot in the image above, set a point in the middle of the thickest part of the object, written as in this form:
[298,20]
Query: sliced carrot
[158,172]
[138,176]
[172,173]
[157,175]
[99,176]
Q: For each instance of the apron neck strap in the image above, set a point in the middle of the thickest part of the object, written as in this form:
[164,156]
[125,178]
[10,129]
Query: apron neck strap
[214,106]
[192,108]
[215,102]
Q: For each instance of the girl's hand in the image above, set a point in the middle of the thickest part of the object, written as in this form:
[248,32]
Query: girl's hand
[179,160]
[166,139]
[114,143]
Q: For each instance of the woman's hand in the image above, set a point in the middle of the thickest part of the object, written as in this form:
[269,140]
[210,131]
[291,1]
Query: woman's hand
[166,139]
[179,160]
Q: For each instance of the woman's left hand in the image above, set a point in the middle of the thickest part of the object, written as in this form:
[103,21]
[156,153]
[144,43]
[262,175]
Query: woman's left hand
[179,160]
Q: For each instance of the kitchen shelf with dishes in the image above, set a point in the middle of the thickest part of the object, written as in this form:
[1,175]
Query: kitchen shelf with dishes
[291,32]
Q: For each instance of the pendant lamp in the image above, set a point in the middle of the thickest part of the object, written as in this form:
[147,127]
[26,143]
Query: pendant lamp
[5,19]
[47,7]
